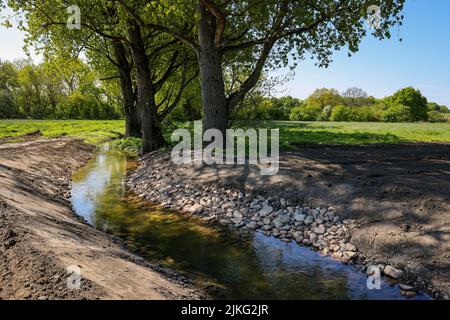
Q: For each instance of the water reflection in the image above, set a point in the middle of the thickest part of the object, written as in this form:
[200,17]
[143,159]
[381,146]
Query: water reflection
[247,265]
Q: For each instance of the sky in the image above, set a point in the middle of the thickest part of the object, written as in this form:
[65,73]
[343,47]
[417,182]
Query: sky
[421,60]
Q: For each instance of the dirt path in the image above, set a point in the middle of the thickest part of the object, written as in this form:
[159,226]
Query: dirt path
[40,236]
[399,195]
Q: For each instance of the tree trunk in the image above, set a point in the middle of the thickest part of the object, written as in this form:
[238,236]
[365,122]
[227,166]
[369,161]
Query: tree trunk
[152,138]
[132,125]
[210,65]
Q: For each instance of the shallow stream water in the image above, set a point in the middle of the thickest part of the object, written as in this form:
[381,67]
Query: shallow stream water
[247,265]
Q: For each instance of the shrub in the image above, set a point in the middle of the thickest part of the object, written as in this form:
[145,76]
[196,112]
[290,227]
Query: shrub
[412,98]
[398,113]
[309,112]
[436,116]
[130,146]
[340,113]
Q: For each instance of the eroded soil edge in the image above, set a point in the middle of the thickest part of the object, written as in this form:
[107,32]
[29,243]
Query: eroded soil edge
[40,236]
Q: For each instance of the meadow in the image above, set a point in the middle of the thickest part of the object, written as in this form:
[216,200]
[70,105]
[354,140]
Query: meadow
[293,134]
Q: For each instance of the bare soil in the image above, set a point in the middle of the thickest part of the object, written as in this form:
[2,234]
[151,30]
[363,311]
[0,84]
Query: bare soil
[40,236]
[399,195]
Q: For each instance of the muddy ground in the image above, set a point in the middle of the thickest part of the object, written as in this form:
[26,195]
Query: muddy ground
[40,236]
[399,195]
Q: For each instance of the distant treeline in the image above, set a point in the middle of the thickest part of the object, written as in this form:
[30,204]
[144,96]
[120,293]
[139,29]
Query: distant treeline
[56,90]
[406,105]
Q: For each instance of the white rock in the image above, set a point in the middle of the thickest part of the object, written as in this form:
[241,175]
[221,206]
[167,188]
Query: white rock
[392,272]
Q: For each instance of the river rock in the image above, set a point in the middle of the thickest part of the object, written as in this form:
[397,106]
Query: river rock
[392,272]
[224,221]
[252,225]
[196,208]
[237,214]
[267,221]
[299,217]
[350,247]
[319,230]
[277,223]
[265,211]
[284,218]
[309,220]
[405,287]
[312,236]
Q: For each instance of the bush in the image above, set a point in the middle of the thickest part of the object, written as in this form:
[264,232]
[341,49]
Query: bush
[398,113]
[340,113]
[412,98]
[309,112]
[436,116]
[130,146]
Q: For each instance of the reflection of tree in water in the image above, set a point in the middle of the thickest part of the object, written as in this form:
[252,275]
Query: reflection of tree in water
[294,272]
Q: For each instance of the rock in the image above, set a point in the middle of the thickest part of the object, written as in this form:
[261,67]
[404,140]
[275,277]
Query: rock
[409,294]
[312,236]
[236,221]
[267,221]
[392,272]
[237,214]
[319,230]
[309,220]
[224,221]
[284,218]
[196,208]
[252,225]
[350,254]
[405,287]
[350,247]
[299,217]
[267,227]
[266,210]
[277,223]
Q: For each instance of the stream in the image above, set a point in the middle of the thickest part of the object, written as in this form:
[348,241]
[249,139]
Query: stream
[246,265]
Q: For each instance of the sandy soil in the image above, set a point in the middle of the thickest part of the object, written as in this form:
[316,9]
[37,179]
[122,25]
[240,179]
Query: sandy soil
[399,195]
[40,236]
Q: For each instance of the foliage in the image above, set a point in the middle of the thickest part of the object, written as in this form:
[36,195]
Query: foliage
[413,99]
[54,90]
[130,146]
[397,113]
[308,112]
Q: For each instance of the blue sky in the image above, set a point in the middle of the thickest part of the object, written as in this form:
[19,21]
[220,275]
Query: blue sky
[422,60]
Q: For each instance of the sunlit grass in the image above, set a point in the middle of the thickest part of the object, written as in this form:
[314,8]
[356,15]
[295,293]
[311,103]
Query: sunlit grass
[292,134]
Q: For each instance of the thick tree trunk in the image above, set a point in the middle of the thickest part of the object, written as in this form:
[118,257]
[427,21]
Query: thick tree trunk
[132,125]
[152,137]
[212,85]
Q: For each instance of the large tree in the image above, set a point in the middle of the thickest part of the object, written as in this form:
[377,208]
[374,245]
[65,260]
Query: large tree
[255,34]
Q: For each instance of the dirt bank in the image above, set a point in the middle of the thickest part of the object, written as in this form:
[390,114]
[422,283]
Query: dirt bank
[399,196]
[40,236]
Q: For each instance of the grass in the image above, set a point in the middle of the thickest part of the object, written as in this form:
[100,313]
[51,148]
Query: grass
[91,131]
[292,134]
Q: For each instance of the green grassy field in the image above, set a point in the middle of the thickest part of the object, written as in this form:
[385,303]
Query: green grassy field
[292,134]
[92,131]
